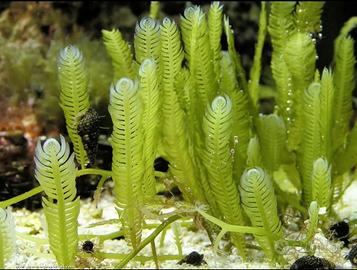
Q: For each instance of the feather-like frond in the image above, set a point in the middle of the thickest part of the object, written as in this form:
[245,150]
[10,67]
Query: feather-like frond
[147,40]
[149,93]
[327,114]
[215,25]
[284,86]
[195,34]
[174,125]
[74,97]
[260,204]
[62,229]
[300,57]
[344,81]
[313,221]
[242,81]
[217,159]
[7,236]
[254,157]
[120,53]
[254,75]
[272,137]
[171,52]
[321,182]
[189,26]
[55,169]
[308,16]
[346,157]
[280,24]
[177,150]
[56,173]
[228,82]
[310,147]
[280,27]
[125,109]
[184,88]
[241,131]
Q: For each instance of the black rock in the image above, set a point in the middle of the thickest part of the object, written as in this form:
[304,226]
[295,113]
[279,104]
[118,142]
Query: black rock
[194,258]
[312,262]
[161,164]
[87,246]
[340,230]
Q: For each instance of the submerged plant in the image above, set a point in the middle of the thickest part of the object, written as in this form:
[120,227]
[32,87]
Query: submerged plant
[127,166]
[181,97]
[56,172]
[74,96]
[259,202]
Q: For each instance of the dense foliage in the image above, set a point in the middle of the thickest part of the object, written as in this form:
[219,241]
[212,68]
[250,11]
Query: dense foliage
[179,96]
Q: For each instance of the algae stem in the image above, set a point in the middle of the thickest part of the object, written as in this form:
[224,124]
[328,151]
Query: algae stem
[104,173]
[98,191]
[37,240]
[147,241]
[154,225]
[154,254]
[104,222]
[116,256]
[36,190]
[102,237]
[21,197]
[232,228]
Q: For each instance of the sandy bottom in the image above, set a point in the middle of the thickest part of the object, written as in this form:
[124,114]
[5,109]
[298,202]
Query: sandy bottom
[30,255]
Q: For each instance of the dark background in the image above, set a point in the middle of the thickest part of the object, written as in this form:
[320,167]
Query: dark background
[335,14]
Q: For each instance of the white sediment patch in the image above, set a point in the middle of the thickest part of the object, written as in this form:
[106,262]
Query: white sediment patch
[29,255]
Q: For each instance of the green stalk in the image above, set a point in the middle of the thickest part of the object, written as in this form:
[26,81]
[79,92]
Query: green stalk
[253,86]
[21,197]
[154,254]
[147,241]
[142,259]
[94,171]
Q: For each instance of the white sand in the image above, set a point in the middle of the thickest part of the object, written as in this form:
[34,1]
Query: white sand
[28,255]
